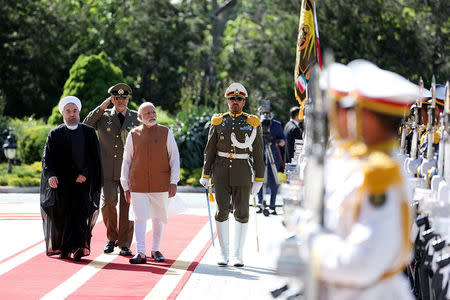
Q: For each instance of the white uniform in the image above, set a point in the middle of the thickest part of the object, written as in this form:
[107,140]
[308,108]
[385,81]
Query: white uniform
[366,246]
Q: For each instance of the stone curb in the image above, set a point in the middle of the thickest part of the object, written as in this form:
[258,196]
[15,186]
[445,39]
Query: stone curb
[35,189]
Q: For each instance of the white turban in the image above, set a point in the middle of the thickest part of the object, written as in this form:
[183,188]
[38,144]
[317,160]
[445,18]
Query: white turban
[69,99]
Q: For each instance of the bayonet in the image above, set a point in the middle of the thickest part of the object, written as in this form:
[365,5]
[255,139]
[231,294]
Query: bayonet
[416,121]
[446,135]
[431,121]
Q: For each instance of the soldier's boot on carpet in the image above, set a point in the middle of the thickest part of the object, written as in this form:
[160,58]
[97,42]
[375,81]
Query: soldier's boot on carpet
[223,234]
[239,241]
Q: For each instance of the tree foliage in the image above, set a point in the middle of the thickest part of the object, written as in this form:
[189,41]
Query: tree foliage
[89,80]
[178,53]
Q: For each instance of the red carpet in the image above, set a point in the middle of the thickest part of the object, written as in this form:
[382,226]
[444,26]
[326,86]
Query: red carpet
[118,279]
[20,216]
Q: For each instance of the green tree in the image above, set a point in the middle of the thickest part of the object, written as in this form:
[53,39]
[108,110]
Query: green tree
[89,80]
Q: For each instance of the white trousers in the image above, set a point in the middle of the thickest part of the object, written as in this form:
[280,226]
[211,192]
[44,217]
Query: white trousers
[140,228]
[146,206]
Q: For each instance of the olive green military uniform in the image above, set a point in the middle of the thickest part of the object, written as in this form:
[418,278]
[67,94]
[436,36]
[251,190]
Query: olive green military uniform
[112,138]
[232,176]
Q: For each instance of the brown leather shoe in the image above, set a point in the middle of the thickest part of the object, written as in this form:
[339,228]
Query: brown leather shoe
[139,258]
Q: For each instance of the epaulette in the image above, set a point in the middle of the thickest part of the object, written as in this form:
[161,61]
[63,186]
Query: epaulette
[217,119]
[380,172]
[358,149]
[253,120]
[437,136]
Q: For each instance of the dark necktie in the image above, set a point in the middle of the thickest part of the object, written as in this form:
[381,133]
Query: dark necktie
[121,118]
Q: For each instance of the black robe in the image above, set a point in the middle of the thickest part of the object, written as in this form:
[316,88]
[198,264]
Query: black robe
[70,211]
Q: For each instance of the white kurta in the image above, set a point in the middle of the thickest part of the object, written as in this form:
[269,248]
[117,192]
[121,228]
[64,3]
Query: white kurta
[146,206]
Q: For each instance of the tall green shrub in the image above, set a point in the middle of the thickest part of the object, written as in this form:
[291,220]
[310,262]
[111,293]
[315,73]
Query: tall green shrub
[89,80]
[191,134]
[31,143]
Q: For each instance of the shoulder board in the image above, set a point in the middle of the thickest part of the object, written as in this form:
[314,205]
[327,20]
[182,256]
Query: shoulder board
[253,120]
[380,172]
[437,136]
[217,119]
[358,149]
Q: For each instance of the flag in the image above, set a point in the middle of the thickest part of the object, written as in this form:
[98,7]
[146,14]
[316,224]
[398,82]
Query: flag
[308,50]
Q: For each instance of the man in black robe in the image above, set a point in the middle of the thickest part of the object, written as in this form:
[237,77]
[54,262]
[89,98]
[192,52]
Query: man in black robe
[72,177]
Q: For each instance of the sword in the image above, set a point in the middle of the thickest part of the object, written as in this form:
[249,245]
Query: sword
[209,214]
[256,223]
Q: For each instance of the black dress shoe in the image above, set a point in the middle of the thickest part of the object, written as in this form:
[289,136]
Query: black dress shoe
[259,210]
[109,247]
[77,255]
[138,259]
[64,255]
[274,212]
[125,251]
[157,256]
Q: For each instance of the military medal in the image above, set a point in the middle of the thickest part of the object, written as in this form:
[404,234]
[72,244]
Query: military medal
[108,129]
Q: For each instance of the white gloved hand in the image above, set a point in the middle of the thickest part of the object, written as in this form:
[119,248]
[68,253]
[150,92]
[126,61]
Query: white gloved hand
[256,187]
[205,182]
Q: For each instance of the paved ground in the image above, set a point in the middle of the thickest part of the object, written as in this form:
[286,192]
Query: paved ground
[209,281]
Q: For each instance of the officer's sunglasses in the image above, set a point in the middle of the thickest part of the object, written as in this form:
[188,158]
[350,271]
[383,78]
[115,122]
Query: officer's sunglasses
[120,97]
[239,99]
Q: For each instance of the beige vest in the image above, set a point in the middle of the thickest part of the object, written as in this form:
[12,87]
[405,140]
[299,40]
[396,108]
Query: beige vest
[150,169]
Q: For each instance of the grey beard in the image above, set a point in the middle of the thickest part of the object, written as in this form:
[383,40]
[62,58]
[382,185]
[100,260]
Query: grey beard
[148,123]
[72,125]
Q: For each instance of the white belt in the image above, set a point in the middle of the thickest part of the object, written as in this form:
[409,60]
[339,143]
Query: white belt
[232,155]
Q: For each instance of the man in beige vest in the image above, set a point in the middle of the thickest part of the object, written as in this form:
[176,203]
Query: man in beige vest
[150,173]
[113,126]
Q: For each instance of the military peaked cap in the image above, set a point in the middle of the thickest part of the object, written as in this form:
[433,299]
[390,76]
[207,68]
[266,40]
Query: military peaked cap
[120,89]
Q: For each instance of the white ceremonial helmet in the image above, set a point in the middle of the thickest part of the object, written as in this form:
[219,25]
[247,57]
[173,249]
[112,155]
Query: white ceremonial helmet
[381,90]
[236,89]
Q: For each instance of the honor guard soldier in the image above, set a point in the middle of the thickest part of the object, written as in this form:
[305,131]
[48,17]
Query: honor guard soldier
[233,137]
[113,126]
[427,169]
[364,246]
[338,82]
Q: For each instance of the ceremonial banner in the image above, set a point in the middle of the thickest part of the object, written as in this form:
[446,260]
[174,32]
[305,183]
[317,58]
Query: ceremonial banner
[308,50]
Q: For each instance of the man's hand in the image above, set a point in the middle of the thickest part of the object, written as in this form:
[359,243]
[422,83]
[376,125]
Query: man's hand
[128,196]
[256,187]
[172,190]
[205,182]
[80,179]
[53,182]
[105,103]
[281,143]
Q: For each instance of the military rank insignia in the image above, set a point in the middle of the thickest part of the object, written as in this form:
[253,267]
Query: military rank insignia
[377,200]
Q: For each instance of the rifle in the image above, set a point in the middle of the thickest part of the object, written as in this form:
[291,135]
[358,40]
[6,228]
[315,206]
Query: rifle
[431,121]
[445,147]
[404,129]
[417,121]
[315,168]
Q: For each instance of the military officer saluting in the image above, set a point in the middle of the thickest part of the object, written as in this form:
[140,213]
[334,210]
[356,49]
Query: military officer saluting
[113,126]
[233,137]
